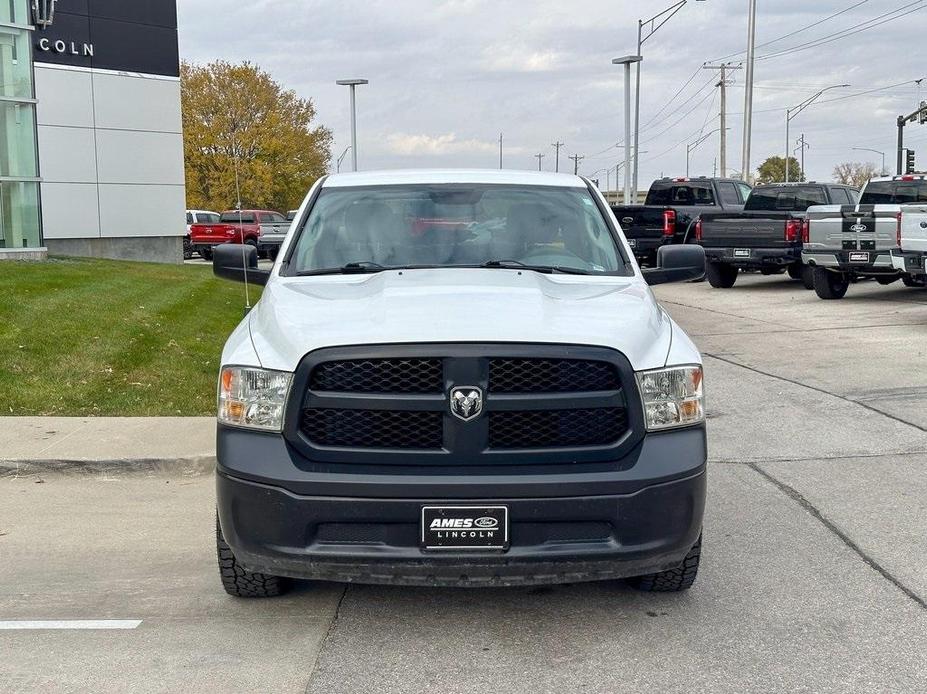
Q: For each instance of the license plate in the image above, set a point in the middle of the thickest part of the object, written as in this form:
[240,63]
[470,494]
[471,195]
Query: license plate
[741,252]
[859,257]
[632,243]
[465,527]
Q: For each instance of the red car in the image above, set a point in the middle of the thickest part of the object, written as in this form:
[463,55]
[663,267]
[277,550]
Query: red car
[234,227]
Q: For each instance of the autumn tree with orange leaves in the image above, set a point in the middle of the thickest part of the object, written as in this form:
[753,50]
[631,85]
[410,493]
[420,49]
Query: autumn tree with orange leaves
[239,112]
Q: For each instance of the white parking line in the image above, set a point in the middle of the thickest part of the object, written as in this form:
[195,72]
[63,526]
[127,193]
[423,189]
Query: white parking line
[18,624]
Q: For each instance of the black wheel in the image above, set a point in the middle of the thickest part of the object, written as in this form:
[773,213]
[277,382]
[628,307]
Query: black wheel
[830,285]
[187,248]
[886,280]
[807,277]
[272,253]
[772,270]
[673,580]
[721,276]
[913,282]
[205,253]
[240,582]
[796,271]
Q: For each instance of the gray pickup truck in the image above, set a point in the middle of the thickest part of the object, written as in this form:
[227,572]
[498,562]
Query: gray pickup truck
[849,242]
[911,258]
[768,234]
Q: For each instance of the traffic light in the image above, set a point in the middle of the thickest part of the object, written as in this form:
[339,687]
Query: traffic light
[922,114]
[909,161]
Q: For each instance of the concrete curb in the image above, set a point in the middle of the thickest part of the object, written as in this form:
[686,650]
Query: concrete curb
[192,466]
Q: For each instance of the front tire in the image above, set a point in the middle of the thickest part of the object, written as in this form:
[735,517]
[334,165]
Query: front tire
[673,580]
[913,282]
[721,276]
[830,285]
[205,253]
[796,271]
[240,582]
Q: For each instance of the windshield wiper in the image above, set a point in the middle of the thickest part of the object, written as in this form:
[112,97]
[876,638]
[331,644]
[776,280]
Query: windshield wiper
[348,269]
[546,269]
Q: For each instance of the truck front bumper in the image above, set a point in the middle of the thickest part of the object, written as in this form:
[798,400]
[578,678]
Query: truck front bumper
[911,262]
[758,257]
[641,515]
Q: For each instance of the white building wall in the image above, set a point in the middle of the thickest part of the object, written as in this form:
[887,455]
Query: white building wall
[110,154]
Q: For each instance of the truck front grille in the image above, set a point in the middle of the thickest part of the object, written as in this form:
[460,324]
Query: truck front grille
[556,428]
[391,404]
[379,376]
[373,428]
[551,376]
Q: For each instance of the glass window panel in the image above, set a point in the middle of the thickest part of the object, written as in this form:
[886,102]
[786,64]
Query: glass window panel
[19,215]
[15,12]
[15,66]
[17,140]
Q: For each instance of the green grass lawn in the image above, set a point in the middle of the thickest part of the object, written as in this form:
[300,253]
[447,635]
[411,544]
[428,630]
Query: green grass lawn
[82,337]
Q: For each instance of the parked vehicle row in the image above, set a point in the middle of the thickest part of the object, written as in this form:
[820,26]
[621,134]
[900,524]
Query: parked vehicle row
[671,209]
[846,243]
[767,236]
[263,229]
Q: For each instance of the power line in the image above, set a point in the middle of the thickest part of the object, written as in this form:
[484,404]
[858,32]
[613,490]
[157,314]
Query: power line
[850,31]
[793,33]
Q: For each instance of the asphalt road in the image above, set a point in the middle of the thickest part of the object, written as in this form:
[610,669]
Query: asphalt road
[814,573]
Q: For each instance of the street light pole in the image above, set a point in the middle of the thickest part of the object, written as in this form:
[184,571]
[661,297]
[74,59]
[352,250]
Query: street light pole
[653,24]
[866,149]
[627,61]
[341,158]
[748,94]
[353,85]
[790,113]
[692,146]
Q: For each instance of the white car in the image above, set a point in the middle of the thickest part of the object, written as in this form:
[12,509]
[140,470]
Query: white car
[196,217]
[459,378]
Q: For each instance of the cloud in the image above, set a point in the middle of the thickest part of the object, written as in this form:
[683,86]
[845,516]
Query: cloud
[406,145]
[509,59]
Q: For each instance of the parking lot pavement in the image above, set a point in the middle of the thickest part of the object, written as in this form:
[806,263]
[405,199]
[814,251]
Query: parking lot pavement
[813,575]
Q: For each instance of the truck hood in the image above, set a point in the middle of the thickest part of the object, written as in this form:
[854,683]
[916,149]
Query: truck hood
[297,315]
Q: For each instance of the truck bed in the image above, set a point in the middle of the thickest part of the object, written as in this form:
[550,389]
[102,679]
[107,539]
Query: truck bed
[746,230]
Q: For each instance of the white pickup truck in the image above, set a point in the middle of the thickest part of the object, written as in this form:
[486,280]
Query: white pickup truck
[843,243]
[459,378]
[911,255]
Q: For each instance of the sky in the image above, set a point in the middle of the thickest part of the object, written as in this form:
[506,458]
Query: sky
[448,77]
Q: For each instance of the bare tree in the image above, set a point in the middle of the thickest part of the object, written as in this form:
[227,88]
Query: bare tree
[855,174]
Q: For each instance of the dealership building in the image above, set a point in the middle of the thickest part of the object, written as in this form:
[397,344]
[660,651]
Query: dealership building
[91,148]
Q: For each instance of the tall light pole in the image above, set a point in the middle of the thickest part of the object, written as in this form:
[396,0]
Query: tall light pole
[500,150]
[353,85]
[793,111]
[745,166]
[652,26]
[627,61]
[866,149]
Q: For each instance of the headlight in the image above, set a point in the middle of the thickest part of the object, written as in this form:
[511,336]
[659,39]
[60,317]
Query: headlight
[672,397]
[254,398]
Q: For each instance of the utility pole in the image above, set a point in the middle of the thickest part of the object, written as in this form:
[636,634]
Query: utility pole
[723,83]
[500,150]
[539,157]
[802,145]
[748,95]
[576,159]
[557,145]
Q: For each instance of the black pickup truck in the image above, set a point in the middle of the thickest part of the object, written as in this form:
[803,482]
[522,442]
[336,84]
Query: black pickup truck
[672,207]
[768,234]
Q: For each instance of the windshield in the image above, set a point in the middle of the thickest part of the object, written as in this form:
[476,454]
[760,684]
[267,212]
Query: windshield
[894,193]
[794,198]
[680,194]
[455,225]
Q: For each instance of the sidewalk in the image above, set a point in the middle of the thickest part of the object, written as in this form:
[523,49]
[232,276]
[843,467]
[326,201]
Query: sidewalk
[99,442]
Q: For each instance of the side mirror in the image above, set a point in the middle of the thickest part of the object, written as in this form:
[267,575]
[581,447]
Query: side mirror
[239,263]
[677,264]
